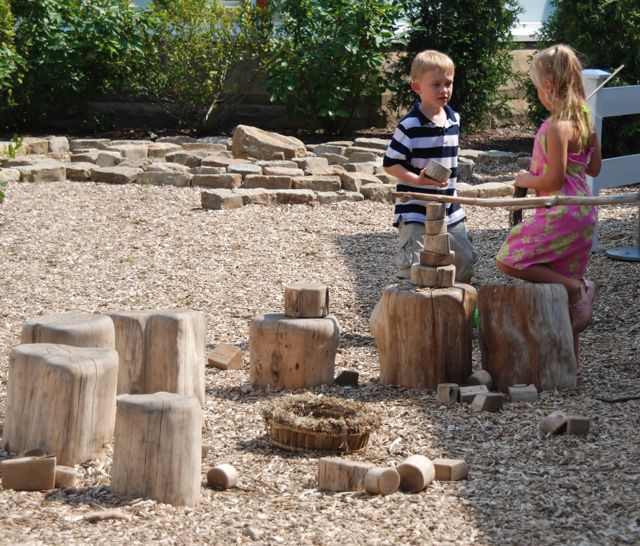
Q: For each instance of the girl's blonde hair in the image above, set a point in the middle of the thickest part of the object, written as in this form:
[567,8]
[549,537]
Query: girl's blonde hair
[559,64]
[430,59]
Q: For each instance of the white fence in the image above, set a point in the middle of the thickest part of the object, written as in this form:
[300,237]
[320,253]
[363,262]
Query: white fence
[610,102]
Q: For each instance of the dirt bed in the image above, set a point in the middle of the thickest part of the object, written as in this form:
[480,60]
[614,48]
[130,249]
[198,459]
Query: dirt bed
[96,248]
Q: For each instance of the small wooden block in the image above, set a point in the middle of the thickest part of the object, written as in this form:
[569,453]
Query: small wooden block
[438,244]
[222,476]
[467,394]
[434,277]
[523,393]
[206,449]
[347,378]
[488,401]
[450,469]
[382,481]
[577,424]
[416,472]
[335,474]
[448,393]
[431,259]
[437,171]
[435,211]
[555,422]
[29,473]
[226,357]
[480,377]
[435,227]
[306,300]
[66,477]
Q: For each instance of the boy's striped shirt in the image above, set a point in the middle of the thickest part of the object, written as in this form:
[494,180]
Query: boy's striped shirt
[416,140]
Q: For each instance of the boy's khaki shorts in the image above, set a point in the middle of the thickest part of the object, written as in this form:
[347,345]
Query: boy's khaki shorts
[411,242]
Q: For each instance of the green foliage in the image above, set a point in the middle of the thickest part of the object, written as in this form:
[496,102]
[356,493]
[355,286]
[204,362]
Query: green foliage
[476,34]
[192,48]
[9,59]
[606,33]
[327,55]
[8,152]
[73,51]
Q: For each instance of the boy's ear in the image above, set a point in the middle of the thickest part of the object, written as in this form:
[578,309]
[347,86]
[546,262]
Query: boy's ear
[415,86]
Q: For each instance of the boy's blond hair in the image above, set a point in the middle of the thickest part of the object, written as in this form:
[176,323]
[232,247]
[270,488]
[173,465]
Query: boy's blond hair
[430,59]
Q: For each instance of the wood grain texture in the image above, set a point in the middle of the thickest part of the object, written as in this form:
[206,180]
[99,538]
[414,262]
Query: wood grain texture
[76,329]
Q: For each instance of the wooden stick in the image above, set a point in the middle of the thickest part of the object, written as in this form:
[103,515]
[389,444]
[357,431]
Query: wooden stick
[521,203]
[605,82]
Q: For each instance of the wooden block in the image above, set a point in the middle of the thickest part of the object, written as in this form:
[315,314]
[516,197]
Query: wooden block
[435,227]
[450,469]
[382,481]
[347,378]
[435,211]
[448,393]
[555,422]
[488,401]
[306,300]
[416,472]
[467,394]
[76,329]
[434,277]
[523,393]
[206,449]
[66,477]
[437,171]
[438,244]
[222,476]
[480,377]
[226,357]
[431,259]
[577,424]
[29,473]
[335,474]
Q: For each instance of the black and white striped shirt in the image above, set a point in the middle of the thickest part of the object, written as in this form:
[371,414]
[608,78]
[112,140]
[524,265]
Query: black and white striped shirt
[416,140]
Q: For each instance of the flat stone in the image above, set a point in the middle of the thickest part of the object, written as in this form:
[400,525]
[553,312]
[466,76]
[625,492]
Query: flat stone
[367,167]
[108,158]
[35,145]
[189,159]
[253,142]
[130,151]
[177,139]
[244,169]
[328,197]
[465,169]
[115,175]
[79,171]
[226,181]
[466,190]
[208,170]
[362,157]
[209,147]
[323,149]
[161,149]
[222,161]
[268,182]
[179,180]
[287,163]
[336,159]
[387,178]
[310,162]
[58,145]
[168,167]
[293,197]
[255,196]
[352,181]
[381,193]
[85,157]
[375,143]
[220,199]
[317,183]
[217,139]
[49,171]
[87,143]
[9,175]
[494,189]
[282,171]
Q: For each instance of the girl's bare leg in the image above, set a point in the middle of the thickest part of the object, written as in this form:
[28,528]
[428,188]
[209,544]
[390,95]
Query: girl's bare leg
[542,273]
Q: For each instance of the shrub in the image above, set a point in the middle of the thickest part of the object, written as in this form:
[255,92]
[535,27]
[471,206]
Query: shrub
[327,55]
[476,34]
[586,26]
[8,56]
[73,51]
[192,48]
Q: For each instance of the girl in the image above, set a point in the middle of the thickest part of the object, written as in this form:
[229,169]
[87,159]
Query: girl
[554,245]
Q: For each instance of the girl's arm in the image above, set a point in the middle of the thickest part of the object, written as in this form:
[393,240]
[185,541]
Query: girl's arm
[559,134]
[595,163]
[407,176]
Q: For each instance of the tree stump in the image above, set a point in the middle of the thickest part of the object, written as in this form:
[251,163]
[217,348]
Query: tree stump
[158,448]
[161,350]
[77,329]
[292,353]
[61,399]
[526,337]
[423,335]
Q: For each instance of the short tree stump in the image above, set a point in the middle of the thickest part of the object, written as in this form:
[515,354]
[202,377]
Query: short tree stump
[77,329]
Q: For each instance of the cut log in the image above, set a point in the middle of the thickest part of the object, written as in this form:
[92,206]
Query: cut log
[77,329]
[335,474]
[226,357]
[577,424]
[448,393]
[416,472]
[437,171]
[158,448]
[555,422]
[436,211]
[29,473]
[292,353]
[222,476]
[488,401]
[66,477]
[431,259]
[424,335]
[467,394]
[480,377]
[306,300]
[435,227]
[382,481]
[523,393]
[161,350]
[525,336]
[438,244]
[433,277]
[61,399]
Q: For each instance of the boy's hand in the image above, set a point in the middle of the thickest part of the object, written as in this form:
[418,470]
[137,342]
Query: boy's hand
[424,180]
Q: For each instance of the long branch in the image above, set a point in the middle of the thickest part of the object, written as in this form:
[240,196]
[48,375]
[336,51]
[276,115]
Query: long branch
[523,203]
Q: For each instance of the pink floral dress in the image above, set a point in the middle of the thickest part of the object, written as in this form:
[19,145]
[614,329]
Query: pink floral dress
[560,237]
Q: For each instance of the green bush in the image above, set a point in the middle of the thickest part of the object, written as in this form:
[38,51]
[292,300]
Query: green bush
[193,47]
[8,56]
[72,51]
[476,34]
[327,56]
[606,34]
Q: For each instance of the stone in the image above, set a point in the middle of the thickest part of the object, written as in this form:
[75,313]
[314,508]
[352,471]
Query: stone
[375,143]
[437,171]
[208,170]
[494,189]
[382,193]
[168,167]
[161,149]
[250,141]
[466,190]
[311,162]
[47,171]
[130,151]
[448,393]
[467,394]
[115,175]
[220,199]
[282,171]
[179,180]
[189,159]
[293,197]
[330,149]
[268,182]
[450,469]
[222,181]
[353,181]
[209,147]
[177,139]
[89,156]
[523,393]
[367,167]
[386,178]
[255,196]
[222,161]
[58,145]
[35,145]
[523,162]
[244,169]
[108,158]
[317,183]
[336,159]
[10,175]
[465,169]
[362,156]
[555,422]
[286,163]
[496,156]
[347,378]
[80,171]
[329,197]
[76,144]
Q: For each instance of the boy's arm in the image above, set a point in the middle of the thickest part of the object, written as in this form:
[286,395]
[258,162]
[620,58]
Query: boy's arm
[407,176]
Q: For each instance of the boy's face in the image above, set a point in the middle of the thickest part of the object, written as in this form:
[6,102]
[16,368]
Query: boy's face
[434,88]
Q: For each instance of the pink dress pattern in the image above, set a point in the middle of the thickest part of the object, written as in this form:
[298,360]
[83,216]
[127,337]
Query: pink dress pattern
[560,237]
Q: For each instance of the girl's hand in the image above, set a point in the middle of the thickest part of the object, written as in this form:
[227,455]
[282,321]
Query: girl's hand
[521,177]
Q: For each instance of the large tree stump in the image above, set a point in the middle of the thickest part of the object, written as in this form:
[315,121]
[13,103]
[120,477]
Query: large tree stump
[526,337]
[77,329]
[61,399]
[158,448]
[292,353]
[161,350]
[423,335]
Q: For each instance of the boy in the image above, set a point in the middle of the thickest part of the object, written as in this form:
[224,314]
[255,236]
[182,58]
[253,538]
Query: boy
[429,131]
